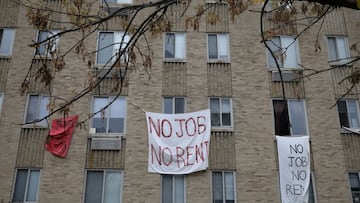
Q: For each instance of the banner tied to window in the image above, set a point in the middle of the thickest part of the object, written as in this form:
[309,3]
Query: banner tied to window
[178,143]
[60,135]
[294,168]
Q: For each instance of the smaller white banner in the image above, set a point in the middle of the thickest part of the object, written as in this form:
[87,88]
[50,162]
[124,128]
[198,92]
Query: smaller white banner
[178,143]
[294,168]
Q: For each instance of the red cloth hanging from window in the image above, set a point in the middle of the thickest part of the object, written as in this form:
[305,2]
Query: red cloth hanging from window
[60,135]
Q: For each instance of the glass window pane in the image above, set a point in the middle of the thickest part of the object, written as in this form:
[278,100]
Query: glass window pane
[212,46]
[229,186]
[354,180]
[33,185]
[179,189]
[281,117]
[168,102]
[341,47]
[116,125]
[297,117]
[223,43]
[289,46]
[179,105]
[112,187]
[215,111]
[99,103]
[1,36]
[105,47]
[32,108]
[117,108]
[167,188]
[6,41]
[226,112]
[353,114]
[20,185]
[170,45]
[1,101]
[311,191]
[343,115]
[98,121]
[217,187]
[275,47]
[180,45]
[42,49]
[94,185]
[332,49]
[43,109]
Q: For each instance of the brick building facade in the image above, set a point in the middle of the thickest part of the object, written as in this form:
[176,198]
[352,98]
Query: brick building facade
[223,67]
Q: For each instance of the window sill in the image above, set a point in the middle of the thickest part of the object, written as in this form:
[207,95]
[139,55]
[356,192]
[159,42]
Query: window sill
[104,135]
[5,56]
[218,61]
[174,60]
[294,69]
[34,126]
[222,129]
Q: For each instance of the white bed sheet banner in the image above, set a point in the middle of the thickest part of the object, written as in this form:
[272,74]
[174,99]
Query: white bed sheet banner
[294,168]
[178,143]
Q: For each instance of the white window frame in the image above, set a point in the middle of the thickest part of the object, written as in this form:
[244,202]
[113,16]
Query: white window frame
[43,123]
[117,45]
[351,188]
[345,45]
[107,115]
[282,64]
[348,114]
[180,40]
[173,187]
[289,116]
[223,185]
[104,171]
[218,59]
[9,41]
[118,2]
[54,43]
[223,127]
[173,103]
[27,184]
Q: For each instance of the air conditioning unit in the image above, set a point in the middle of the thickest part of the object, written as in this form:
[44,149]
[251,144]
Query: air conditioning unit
[105,143]
[286,76]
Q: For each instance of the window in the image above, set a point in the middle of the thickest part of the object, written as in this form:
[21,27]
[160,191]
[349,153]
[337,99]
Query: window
[173,189]
[338,50]
[112,119]
[174,105]
[223,187]
[312,189]
[26,185]
[348,113]
[109,45]
[37,108]
[118,1]
[48,47]
[221,112]
[290,117]
[6,41]
[218,47]
[175,46]
[103,187]
[285,49]
[355,187]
